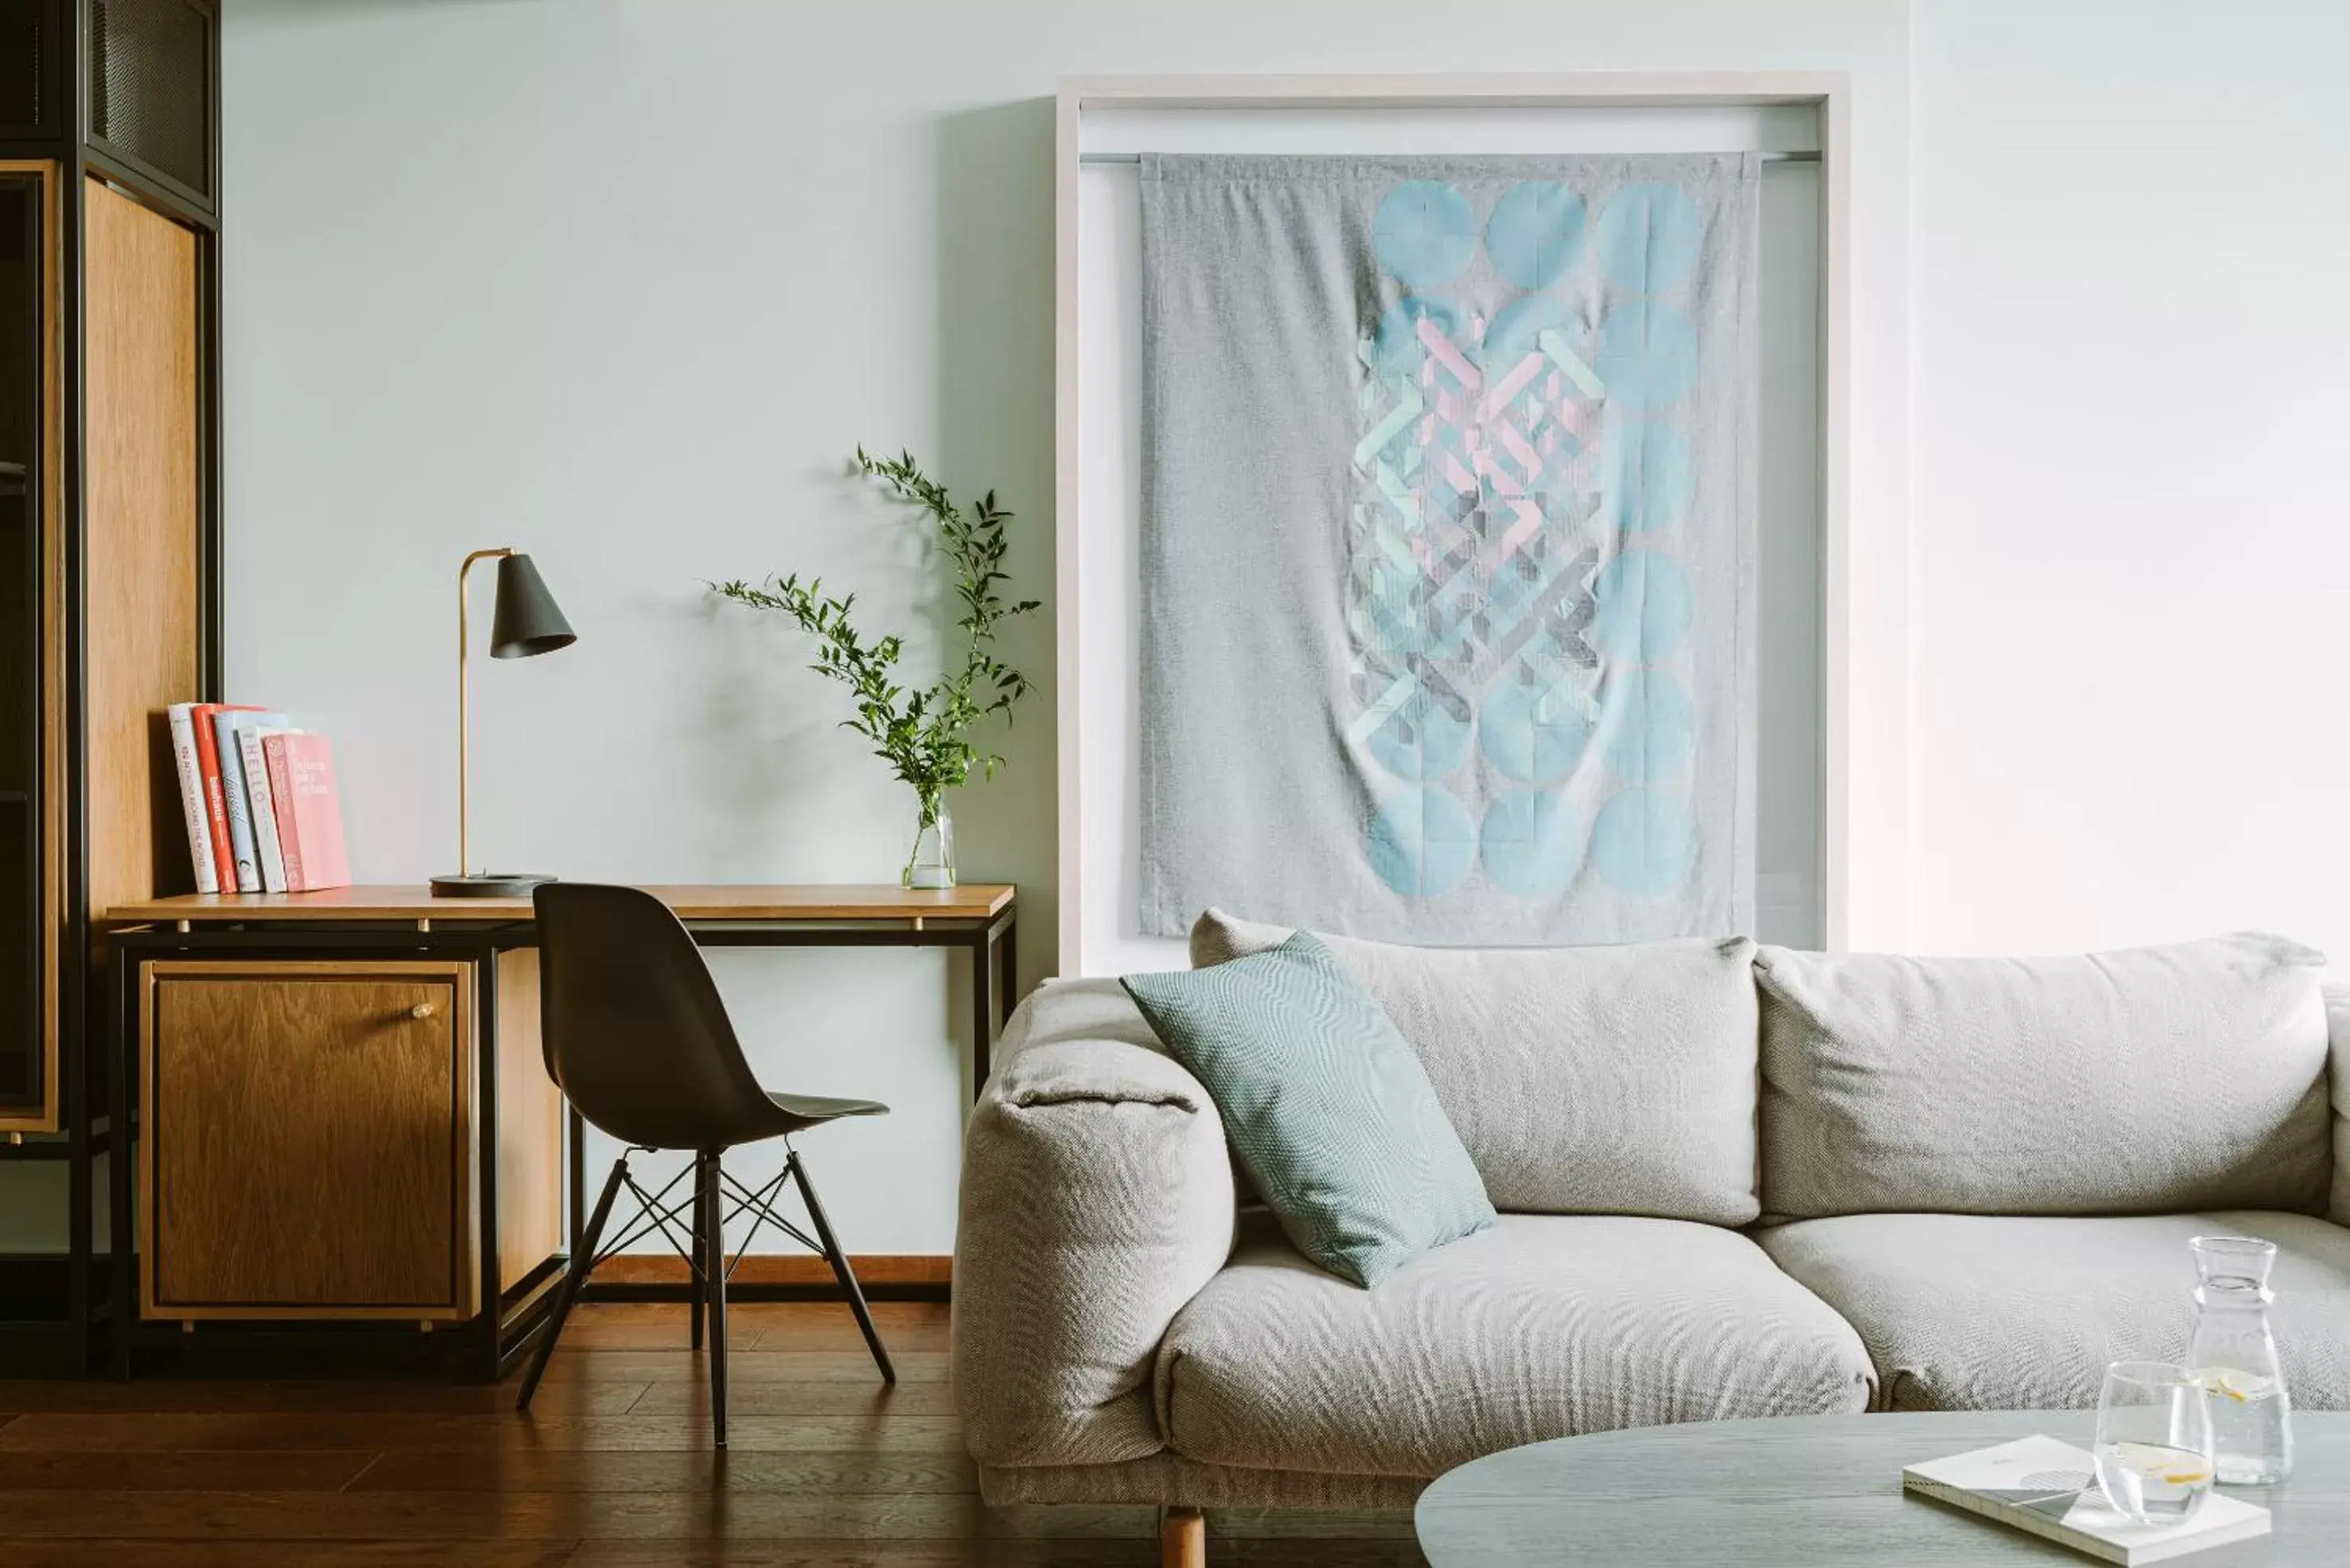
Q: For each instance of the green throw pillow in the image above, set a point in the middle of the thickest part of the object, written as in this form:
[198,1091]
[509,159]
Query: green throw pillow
[1330,1112]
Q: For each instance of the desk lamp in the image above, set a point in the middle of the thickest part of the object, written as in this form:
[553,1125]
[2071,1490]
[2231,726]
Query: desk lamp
[527,623]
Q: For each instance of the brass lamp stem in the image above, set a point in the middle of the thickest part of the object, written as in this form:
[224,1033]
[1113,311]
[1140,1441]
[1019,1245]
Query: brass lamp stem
[464,857]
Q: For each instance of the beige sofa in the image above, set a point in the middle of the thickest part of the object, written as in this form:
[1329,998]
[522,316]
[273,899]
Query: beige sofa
[1733,1182]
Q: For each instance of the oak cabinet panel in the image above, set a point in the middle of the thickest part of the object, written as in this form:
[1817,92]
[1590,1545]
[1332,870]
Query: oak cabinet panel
[530,1127]
[307,1138]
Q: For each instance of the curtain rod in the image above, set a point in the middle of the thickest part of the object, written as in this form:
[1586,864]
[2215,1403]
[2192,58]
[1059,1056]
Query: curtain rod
[1136,156]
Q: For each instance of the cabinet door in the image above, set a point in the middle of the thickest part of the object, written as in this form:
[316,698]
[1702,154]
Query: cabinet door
[32,689]
[304,1148]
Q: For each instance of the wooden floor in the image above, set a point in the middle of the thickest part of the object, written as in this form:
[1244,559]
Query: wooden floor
[613,1468]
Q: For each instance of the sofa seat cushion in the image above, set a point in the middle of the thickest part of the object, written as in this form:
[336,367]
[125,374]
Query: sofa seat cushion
[1543,1326]
[1965,1312]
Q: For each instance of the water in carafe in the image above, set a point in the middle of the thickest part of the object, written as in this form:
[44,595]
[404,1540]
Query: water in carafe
[2235,1356]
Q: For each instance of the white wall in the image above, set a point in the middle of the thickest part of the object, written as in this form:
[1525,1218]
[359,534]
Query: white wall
[2132,308]
[622,282]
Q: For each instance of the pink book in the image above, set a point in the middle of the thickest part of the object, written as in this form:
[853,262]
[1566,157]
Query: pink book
[309,811]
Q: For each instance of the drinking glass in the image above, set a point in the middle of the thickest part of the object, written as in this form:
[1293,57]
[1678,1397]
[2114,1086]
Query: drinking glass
[2154,1441]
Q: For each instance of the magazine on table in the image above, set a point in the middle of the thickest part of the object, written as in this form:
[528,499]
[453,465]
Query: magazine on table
[2050,1490]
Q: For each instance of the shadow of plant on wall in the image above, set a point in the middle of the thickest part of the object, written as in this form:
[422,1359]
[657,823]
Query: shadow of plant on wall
[923,733]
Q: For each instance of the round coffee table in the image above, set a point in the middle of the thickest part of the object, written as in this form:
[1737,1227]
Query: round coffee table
[1814,1491]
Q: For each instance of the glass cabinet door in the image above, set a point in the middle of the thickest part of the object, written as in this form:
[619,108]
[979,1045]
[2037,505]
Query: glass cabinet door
[24,550]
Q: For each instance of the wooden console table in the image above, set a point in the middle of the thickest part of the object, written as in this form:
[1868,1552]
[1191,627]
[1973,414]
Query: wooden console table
[431,1224]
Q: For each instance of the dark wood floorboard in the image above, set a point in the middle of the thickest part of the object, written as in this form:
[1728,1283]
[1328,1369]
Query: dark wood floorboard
[429,1401]
[612,1468]
[115,1553]
[537,1470]
[196,1472]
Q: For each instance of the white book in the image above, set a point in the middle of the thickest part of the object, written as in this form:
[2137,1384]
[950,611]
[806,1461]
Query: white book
[2050,1488]
[267,847]
[191,795]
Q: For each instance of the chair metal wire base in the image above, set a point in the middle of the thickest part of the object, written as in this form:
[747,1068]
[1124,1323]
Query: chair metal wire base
[703,1214]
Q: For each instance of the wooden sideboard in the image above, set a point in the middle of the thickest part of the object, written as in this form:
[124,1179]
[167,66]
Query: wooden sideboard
[346,1131]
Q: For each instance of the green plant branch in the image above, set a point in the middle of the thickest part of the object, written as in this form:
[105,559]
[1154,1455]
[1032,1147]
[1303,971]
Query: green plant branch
[923,735]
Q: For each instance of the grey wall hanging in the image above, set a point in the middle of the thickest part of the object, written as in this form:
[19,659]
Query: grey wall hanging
[1447,553]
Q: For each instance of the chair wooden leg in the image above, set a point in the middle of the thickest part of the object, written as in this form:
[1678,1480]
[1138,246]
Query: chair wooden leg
[701,1248]
[573,1278]
[1182,1538]
[715,1284]
[842,1271]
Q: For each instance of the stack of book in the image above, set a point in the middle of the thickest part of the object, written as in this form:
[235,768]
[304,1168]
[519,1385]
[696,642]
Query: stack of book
[263,811]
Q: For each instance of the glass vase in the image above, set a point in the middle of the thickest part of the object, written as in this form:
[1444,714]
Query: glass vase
[932,863]
[2234,1355]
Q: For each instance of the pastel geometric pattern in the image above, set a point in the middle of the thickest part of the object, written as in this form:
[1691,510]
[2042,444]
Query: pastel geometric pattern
[1648,477]
[1326,1107]
[1649,236]
[1531,844]
[1511,579]
[1645,842]
[1647,724]
[1533,729]
[1423,841]
[1424,233]
[1535,233]
[1643,607]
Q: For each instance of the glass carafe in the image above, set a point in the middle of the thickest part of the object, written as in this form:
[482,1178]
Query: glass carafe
[2235,1356]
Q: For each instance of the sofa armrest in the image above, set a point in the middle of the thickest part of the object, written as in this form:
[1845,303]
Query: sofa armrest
[2337,1028]
[1097,1198]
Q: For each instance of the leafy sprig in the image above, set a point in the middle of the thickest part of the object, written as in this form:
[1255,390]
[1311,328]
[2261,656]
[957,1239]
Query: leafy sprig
[922,732]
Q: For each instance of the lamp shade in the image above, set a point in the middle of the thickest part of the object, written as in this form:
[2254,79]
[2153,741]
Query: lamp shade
[527,621]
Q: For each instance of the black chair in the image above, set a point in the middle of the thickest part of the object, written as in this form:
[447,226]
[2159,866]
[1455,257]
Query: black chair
[638,1040]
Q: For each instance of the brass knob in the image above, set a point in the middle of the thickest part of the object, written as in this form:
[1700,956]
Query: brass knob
[421,1010]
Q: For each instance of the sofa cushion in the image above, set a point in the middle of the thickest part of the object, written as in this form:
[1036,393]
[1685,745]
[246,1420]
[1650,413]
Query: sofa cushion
[1595,1080]
[1965,1312]
[2151,1081]
[1544,1326]
[1328,1110]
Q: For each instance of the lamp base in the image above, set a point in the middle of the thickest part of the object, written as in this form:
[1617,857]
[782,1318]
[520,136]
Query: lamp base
[488,885]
